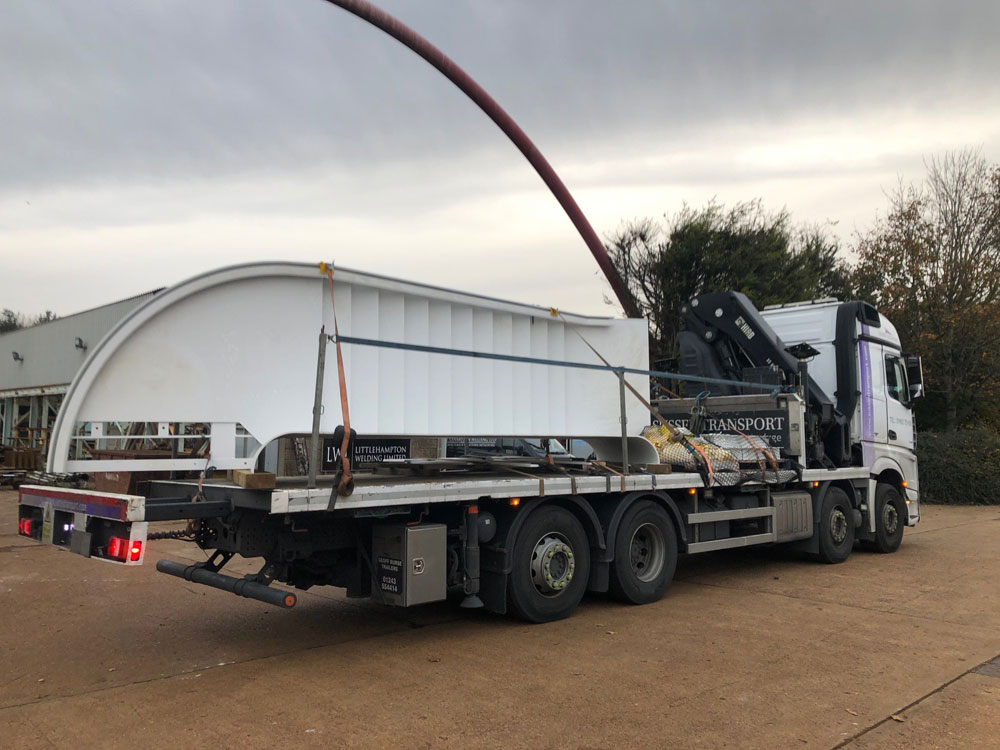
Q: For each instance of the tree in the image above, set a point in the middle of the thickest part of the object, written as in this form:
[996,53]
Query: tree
[932,265]
[10,320]
[744,248]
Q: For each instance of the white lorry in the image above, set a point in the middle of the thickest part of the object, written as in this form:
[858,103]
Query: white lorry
[211,372]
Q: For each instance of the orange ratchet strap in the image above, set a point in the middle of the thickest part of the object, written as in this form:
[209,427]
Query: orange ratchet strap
[346,485]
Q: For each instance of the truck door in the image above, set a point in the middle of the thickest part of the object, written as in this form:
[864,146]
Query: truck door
[899,415]
[873,409]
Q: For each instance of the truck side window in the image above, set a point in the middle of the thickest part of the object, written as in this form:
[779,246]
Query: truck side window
[895,380]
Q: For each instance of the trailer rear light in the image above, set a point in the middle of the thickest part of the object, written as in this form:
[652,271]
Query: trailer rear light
[904,482]
[24,526]
[815,484]
[135,551]
[515,501]
[692,491]
[118,548]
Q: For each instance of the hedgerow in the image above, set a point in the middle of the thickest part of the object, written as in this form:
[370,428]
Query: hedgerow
[959,468]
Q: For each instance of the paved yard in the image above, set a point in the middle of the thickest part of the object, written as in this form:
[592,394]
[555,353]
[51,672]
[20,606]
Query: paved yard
[748,649]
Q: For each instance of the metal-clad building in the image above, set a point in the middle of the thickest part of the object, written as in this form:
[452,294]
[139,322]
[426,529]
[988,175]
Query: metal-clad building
[38,363]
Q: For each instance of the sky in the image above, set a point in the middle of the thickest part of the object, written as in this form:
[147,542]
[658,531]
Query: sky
[143,143]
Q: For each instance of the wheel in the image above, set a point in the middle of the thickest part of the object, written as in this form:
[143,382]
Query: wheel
[836,527]
[890,517]
[551,566]
[645,554]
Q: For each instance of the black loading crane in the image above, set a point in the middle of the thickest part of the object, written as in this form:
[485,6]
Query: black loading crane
[725,337]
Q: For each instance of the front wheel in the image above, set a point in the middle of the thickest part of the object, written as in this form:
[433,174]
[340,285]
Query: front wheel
[889,519]
[645,554]
[836,527]
[551,566]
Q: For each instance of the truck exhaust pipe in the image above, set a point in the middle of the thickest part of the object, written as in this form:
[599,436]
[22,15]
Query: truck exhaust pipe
[197,573]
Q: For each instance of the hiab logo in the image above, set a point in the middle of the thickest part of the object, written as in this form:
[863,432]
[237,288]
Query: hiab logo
[744,327]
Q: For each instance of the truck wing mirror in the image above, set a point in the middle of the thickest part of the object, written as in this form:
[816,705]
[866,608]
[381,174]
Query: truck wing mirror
[914,375]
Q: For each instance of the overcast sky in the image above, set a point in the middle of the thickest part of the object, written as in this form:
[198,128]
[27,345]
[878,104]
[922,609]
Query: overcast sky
[144,142]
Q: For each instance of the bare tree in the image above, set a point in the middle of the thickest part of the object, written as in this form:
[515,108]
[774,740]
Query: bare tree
[933,266]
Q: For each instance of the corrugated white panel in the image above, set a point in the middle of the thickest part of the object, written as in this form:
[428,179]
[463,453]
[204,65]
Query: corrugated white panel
[240,345]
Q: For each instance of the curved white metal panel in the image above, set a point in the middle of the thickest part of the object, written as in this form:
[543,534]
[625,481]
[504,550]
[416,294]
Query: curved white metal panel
[239,346]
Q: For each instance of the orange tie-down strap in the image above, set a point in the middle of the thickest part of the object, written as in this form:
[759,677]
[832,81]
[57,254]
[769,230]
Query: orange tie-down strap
[541,482]
[346,485]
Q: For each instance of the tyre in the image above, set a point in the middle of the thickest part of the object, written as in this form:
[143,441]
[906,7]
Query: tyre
[645,554]
[551,562]
[890,518]
[836,527]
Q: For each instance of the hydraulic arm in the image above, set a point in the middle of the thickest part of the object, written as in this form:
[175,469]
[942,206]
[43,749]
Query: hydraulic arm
[725,336]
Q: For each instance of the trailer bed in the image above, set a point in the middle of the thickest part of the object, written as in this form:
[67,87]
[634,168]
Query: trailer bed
[381,491]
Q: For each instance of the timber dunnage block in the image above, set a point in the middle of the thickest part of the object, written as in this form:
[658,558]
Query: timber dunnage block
[657,468]
[262,480]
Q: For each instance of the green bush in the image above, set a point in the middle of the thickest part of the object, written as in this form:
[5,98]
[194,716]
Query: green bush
[959,468]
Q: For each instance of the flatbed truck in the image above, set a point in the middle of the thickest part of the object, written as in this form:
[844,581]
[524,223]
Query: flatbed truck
[529,535]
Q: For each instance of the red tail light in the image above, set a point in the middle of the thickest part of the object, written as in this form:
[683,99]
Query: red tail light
[118,548]
[135,551]
[24,526]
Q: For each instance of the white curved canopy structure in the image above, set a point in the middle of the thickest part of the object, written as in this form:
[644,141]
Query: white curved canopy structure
[236,349]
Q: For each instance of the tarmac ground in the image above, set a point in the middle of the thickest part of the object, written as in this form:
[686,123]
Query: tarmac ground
[749,649]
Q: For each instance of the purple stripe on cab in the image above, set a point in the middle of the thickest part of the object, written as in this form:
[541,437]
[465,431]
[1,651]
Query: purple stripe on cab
[867,405]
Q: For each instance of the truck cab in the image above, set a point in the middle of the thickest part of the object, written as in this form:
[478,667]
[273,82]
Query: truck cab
[846,362]
[860,362]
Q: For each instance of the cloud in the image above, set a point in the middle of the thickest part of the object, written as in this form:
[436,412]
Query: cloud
[143,141]
[139,91]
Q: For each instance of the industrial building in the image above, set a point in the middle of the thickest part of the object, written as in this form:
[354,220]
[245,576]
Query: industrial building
[37,365]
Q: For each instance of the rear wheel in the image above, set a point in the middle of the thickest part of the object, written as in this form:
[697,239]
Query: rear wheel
[551,566]
[889,519]
[645,554]
[836,527]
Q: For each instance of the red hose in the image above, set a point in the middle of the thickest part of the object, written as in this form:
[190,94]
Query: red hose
[407,36]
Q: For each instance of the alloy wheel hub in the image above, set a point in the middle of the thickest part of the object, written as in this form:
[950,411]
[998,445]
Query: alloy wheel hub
[838,526]
[552,565]
[890,518]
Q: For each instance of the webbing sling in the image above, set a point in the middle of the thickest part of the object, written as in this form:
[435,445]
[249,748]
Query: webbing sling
[346,485]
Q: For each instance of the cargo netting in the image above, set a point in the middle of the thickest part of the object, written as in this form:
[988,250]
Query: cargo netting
[734,459]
